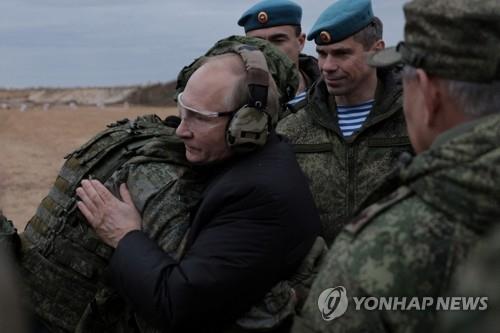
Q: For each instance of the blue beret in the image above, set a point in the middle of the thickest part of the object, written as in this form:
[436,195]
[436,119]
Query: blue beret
[271,13]
[342,19]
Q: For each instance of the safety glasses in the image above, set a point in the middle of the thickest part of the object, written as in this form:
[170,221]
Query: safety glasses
[185,111]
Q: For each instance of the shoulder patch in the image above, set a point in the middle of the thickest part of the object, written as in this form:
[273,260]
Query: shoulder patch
[369,213]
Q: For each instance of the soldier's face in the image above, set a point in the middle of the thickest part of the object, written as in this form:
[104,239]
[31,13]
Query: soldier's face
[283,37]
[343,66]
[204,135]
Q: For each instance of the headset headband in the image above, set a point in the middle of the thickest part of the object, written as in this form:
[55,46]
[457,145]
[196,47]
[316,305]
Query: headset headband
[257,75]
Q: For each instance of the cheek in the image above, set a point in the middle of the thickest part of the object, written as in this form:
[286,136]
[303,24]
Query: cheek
[289,50]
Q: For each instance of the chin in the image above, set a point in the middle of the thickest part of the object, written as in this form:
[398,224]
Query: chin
[193,158]
[337,91]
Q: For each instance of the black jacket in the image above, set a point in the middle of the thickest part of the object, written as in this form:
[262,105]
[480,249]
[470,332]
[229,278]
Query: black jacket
[254,225]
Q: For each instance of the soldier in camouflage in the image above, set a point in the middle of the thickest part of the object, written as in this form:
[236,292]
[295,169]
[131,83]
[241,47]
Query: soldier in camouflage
[349,132]
[478,277]
[63,262]
[279,22]
[441,204]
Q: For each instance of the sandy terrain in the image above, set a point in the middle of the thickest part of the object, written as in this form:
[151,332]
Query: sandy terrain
[33,144]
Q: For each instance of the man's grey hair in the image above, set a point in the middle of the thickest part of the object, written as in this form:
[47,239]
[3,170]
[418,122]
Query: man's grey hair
[476,99]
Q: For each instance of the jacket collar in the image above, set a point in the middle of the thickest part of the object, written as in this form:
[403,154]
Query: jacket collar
[323,109]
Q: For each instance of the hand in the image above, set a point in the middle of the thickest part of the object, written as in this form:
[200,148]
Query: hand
[110,217]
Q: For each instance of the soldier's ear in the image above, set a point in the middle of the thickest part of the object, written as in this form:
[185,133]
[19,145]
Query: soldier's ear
[431,92]
[378,46]
[302,41]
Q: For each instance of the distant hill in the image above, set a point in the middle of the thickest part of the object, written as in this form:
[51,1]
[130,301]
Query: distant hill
[159,94]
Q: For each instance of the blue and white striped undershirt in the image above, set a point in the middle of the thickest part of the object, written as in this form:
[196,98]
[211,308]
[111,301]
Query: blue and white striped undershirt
[352,117]
[297,98]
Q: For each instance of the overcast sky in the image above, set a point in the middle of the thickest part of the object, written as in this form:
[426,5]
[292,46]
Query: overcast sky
[120,42]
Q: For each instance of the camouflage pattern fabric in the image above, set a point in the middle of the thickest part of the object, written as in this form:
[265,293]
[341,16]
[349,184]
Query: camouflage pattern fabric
[342,172]
[410,243]
[479,277]
[458,53]
[308,66]
[9,240]
[280,66]
[63,261]
[463,54]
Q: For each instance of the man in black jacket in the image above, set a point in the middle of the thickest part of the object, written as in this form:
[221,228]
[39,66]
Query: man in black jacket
[256,220]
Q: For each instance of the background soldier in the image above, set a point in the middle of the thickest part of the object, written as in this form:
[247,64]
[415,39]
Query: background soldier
[279,22]
[410,243]
[351,130]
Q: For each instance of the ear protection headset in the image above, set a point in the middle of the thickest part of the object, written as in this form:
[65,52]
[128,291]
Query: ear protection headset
[251,124]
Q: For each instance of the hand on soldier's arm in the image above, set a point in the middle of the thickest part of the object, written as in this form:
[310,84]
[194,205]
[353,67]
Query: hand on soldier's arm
[110,217]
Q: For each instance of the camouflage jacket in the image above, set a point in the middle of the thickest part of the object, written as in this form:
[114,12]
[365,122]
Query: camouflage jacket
[308,66]
[410,243]
[63,261]
[479,277]
[342,171]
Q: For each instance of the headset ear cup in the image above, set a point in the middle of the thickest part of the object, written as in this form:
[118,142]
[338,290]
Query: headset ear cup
[247,129]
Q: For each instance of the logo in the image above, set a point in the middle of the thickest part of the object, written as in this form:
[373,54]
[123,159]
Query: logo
[333,303]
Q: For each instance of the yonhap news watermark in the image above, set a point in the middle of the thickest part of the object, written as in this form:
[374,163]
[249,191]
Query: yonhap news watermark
[334,302]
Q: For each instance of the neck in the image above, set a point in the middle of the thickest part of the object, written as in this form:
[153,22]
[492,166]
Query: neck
[302,83]
[364,92]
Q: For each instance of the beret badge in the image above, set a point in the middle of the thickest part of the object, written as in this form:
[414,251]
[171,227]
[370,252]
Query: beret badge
[263,17]
[325,37]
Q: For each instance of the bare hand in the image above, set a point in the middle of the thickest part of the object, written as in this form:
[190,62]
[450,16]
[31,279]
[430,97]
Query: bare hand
[110,217]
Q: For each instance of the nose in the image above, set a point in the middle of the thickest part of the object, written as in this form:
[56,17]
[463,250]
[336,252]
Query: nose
[329,64]
[183,130]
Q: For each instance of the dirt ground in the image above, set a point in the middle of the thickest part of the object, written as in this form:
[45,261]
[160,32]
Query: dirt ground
[33,144]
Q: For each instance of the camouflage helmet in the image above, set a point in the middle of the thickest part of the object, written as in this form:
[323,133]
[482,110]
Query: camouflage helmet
[282,69]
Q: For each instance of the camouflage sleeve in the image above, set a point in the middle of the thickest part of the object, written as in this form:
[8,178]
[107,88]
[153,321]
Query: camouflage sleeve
[163,197]
[406,251]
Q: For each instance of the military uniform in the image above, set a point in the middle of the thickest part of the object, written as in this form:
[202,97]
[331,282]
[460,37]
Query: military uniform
[433,211]
[308,66]
[477,278]
[343,171]
[63,262]
[410,243]
[272,13]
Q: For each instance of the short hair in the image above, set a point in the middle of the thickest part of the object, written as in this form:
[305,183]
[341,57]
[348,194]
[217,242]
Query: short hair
[370,34]
[475,99]
[239,95]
